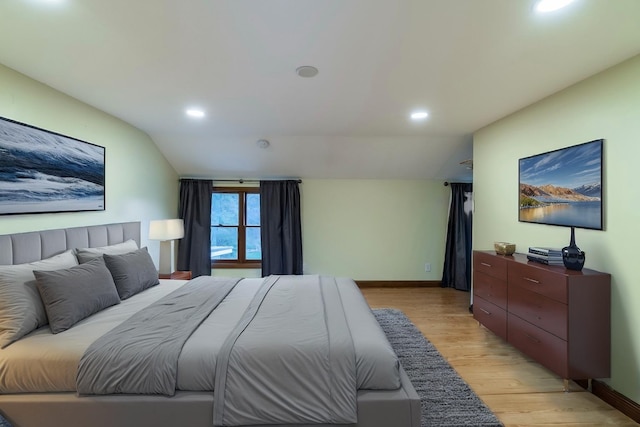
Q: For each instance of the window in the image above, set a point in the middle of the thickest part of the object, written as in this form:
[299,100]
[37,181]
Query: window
[235,228]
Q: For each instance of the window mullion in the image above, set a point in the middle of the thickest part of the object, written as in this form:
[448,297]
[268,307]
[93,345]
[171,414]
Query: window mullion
[241,228]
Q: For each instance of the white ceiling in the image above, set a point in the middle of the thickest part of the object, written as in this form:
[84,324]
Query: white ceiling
[468,62]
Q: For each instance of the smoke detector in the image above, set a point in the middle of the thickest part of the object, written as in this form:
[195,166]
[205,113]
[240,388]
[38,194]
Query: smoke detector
[307,71]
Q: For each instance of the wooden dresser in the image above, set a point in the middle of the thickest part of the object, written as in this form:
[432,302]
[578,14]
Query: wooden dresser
[559,317]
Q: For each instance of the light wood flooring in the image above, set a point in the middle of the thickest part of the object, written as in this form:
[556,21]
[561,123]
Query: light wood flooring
[518,390]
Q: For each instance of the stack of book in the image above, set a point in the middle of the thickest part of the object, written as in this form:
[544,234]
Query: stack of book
[544,255]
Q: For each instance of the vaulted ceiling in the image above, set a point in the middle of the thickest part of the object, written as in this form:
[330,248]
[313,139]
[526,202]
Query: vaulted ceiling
[466,62]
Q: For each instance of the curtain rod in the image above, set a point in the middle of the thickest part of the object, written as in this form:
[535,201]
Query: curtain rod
[447,183]
[242,181]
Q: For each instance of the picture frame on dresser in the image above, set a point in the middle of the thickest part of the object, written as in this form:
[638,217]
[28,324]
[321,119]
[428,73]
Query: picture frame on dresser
[46,172]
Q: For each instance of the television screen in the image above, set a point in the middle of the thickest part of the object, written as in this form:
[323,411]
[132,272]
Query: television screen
[563,187]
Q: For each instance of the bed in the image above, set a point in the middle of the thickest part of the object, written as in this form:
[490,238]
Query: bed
[243,341]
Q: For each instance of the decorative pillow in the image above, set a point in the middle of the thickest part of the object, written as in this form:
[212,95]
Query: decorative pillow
[21,309]
[132,272]
[75,293]
[87,254]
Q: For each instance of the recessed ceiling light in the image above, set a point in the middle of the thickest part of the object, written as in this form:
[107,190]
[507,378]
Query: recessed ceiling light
[194,112]
[48,3]
[307,71]
[551,5]
[419,115]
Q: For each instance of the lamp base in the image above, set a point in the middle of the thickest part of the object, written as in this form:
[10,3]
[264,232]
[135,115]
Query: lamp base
[165,262]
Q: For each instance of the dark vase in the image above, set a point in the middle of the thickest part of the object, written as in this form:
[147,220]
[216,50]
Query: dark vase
[572,257]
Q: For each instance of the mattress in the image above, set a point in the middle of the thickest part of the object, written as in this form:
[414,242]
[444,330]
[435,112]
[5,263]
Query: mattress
[44,362]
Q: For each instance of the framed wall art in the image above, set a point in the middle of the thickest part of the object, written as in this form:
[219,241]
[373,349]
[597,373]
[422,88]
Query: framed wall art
[44,172]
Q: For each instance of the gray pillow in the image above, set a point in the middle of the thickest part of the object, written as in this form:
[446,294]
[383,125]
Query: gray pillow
[75,293]
[132,272]
[21,309]
[87,254]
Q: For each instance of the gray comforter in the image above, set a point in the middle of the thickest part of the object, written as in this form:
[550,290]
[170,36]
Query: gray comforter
[289,358]
[140,356]
[294,365]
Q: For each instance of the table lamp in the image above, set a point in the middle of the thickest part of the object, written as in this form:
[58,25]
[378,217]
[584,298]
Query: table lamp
[166,230]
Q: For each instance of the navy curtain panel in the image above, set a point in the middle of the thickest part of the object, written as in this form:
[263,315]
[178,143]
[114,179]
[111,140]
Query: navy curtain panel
[194,250]
[280,227]
[457,259]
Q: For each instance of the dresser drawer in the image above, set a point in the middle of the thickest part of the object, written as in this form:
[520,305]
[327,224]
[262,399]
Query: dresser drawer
[539,280]
[545,348]
[539,310]
[490,288]
[491,316]
[492,265]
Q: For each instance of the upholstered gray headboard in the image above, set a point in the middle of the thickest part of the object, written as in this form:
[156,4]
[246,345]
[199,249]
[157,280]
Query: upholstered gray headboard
[32,246]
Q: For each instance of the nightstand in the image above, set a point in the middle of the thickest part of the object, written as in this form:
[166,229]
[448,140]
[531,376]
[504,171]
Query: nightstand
[177,275]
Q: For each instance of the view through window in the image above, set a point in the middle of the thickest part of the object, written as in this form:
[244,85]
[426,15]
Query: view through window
[235,227]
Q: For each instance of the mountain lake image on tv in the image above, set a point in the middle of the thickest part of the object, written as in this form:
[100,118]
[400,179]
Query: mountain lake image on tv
[563,187]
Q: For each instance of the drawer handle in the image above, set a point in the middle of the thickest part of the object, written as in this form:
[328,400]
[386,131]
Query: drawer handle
[485,264]
[485,311]
[528,279]
[532,338]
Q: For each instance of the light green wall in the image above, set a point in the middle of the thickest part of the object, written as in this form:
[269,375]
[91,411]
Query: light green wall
[374,229]
[140,183]
[371,229]
[604,106]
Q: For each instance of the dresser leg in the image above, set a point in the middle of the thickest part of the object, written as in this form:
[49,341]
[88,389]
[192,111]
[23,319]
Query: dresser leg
[565,385]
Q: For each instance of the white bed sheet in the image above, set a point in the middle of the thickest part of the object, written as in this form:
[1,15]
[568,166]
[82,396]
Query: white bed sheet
[44,362]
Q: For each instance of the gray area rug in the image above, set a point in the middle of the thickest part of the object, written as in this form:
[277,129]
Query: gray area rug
[445,398]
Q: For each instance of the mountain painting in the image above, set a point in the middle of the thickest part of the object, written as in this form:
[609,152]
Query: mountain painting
[43,172]
[563,187]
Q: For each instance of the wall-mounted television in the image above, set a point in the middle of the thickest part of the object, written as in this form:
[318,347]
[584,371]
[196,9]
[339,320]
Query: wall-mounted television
[563,187]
